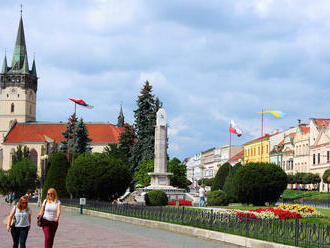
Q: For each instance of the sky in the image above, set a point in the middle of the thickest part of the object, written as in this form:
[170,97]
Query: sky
[209,62]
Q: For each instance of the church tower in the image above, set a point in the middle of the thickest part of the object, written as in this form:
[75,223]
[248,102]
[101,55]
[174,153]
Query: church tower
[121,118]
[18,86]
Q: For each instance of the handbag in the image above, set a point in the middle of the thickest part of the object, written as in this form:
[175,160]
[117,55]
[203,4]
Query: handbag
[13,220]
[40,219]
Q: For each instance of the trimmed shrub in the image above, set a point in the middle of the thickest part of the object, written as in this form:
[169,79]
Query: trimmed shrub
[229,187]
[156,198]
[220,177]
[206,181]
[217,198]
[56,175]
[96,176]
[258,183]
[23,177]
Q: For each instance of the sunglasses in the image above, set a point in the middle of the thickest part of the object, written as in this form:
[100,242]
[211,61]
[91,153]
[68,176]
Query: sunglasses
[24,203]
[50,193]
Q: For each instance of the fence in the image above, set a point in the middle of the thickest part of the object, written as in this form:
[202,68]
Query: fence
[291,232]
[308,202]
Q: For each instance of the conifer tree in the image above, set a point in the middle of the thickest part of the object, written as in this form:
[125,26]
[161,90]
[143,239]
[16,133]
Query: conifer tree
[145,121]
[68,134]
[126,140]
[82,141]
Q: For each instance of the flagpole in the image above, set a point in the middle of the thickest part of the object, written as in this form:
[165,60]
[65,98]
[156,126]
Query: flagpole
[229,146]
[262,131]
[68,144]
[74,131]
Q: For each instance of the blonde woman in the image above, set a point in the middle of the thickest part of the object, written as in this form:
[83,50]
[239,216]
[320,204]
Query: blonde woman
[50,211]
[22,216]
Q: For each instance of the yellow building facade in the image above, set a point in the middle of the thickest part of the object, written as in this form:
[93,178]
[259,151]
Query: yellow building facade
[257,150]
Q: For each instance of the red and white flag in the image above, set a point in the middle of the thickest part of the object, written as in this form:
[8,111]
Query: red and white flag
[82,103]
[234,129]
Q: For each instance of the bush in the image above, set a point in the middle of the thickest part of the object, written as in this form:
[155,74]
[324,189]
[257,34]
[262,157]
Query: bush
[96,176]
[156,198]
[56,175]
[4,182]
[220,177]
[229,187]
[258,183]
[22,177]
[326,176]
[217,198]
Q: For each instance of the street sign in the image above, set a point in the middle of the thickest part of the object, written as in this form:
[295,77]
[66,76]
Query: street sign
[82,201]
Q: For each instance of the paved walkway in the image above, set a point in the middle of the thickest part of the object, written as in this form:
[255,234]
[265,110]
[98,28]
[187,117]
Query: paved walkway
[91,232]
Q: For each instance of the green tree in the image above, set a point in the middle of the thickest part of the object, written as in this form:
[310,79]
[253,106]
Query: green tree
[23,177]
[113,151]
[179,177]
[68,134]
[4,182]
[144,125]
[96,176]
[229,187]
[220,177]
[258,183]
[143,169]
[127,140]
[326,177]
[82,140]
[56,176]
[20,154]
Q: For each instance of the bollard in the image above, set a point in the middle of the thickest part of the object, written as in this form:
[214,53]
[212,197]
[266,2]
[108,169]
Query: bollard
[81,209]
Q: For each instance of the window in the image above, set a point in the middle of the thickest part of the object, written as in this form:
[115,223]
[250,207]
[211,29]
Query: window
[328,156]
[318,158]
[313,158]
[34,156]
[12,108]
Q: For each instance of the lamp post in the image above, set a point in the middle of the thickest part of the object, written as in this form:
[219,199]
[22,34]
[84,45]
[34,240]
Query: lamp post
[43,158]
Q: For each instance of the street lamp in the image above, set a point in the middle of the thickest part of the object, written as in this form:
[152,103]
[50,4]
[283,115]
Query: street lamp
[43,158]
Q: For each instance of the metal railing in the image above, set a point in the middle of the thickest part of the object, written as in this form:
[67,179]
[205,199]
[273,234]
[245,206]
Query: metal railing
[291,232]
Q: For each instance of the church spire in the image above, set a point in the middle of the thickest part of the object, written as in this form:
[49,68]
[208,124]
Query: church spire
[4,65]
[34,68]
[121,118]
[20,48]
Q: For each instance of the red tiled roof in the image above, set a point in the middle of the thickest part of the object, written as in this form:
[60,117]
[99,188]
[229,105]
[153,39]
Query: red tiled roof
[305,129]
[320,122]
[238,156]
[40,132]
[279,145]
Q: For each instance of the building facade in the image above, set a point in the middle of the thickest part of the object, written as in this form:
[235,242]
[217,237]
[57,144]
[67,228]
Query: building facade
[194,170]
[257,150]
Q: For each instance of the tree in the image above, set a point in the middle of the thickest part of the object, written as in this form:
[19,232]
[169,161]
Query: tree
[22,177]
[220,177]
[56,176]
[144,125]
[113,151]
[4,182]
[96,176]
[143,169]
[179,177]
[127,140]
[326,177]
[229,187]
[82,140]
[258,183]
[20,154]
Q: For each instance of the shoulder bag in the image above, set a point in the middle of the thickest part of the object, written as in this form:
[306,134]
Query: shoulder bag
[40,219]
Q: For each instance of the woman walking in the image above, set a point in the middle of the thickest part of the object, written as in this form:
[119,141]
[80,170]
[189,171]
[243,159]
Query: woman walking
[50,213]
[22,222]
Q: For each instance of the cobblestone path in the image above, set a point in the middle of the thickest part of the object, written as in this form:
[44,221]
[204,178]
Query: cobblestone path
[91,232]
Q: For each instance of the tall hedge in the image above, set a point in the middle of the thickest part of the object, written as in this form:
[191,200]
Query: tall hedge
[229,187]
[96,176]
[258,183]
[56,175]
[220,177]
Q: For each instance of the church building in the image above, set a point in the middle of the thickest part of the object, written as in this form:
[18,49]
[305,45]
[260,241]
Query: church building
[18,102]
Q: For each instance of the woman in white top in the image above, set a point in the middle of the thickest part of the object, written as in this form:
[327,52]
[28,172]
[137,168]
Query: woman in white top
[50,211]
[22,222]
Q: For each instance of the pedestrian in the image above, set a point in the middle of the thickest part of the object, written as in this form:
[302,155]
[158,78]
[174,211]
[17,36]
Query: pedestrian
[22,222]
[50,212]
[202,195]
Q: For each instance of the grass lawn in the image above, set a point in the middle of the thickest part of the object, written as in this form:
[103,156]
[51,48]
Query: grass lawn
[314,195]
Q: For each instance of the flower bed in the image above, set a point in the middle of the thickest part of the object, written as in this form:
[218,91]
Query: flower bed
[283,212]
[181,203]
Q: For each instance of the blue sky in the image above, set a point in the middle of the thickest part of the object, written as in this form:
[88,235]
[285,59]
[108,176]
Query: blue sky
[209,62]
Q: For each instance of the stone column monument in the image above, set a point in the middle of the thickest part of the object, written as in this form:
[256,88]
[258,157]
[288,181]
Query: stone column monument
[160,177]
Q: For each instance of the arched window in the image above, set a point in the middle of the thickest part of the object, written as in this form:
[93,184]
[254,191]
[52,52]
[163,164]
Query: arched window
[12,108]
[30,109]
[34,156]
